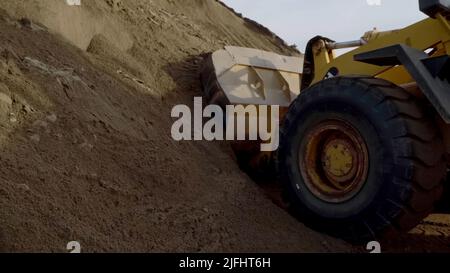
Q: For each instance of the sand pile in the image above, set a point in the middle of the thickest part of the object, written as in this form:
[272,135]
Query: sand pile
[86,153]
[85,148]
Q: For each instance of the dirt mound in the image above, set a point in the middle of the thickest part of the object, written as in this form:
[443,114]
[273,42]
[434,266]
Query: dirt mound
[77,24]
[86,153]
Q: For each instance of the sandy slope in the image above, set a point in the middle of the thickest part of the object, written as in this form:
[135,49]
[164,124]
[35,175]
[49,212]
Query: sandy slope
[85,147]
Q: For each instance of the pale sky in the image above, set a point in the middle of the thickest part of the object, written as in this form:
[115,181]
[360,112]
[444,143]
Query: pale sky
[297,21]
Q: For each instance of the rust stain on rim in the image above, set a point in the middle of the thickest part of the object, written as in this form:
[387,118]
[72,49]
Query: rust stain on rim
[335,163]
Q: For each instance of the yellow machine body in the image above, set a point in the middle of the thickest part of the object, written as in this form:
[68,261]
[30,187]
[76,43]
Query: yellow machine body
[429,34]
[328,160]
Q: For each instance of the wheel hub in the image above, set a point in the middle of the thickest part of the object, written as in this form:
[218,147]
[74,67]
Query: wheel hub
[336,162]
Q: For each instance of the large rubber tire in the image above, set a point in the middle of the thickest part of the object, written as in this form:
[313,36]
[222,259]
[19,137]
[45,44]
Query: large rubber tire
[406,157]
[443,205]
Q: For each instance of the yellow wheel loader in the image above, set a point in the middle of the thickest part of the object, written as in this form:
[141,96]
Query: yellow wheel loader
[365,136]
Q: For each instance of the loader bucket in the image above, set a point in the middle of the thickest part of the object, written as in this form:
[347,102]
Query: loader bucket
[237,75]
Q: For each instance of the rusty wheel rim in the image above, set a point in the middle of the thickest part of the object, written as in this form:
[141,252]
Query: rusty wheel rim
[335,163]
